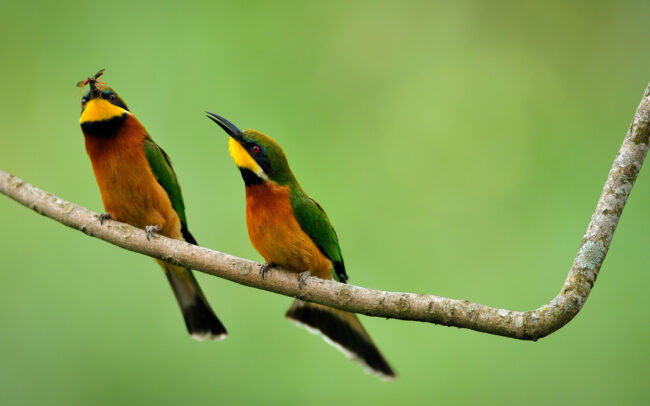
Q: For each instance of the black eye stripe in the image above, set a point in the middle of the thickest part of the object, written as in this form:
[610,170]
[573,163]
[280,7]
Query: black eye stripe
[260,156]
[251,146]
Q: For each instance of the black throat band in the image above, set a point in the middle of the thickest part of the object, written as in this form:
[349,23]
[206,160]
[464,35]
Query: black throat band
[250,178]
[104,128]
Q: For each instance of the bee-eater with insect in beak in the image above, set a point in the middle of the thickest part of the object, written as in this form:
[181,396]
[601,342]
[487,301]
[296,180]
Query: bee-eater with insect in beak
[290,230]
[139,187]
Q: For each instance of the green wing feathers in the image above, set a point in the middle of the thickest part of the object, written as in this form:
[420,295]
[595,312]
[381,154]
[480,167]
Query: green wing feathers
[314,222]
[200,320]
[161,166]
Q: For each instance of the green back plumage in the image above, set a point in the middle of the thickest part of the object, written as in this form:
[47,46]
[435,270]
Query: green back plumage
[314,222]
[161,166]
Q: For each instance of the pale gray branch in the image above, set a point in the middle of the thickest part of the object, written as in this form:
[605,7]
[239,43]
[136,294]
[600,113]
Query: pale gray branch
[529,325]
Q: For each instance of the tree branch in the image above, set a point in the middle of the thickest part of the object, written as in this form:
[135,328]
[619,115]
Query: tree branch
[530,325]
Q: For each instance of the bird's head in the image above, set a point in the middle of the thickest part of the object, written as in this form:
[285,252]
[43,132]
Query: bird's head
[101,106]
[259,158]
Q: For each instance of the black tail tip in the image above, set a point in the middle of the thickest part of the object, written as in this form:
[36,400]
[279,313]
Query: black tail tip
[354,342]
[203,325]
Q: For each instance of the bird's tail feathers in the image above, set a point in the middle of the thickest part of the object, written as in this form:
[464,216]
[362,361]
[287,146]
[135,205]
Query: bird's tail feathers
[344,331]
[201,321]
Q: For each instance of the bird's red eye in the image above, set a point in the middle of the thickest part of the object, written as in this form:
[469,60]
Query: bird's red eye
[255,149]
[112,97]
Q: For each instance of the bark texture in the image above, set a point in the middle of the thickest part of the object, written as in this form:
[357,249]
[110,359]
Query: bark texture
[529,325]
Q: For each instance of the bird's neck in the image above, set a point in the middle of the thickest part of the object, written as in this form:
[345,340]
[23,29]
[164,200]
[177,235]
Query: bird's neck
[263,199]
[107,139]
[250,178]
[107,128]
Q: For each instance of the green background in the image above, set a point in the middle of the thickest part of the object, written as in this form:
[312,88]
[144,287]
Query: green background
[458,147]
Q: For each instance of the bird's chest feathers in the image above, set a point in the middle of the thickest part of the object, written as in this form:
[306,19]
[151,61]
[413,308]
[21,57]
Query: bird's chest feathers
[275,232]
[129,190]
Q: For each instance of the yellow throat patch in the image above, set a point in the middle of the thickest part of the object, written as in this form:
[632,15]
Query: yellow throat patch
[99,110]
[243,159]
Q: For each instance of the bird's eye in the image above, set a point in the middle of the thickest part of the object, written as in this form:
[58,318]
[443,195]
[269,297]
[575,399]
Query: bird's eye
[84,101]
[255,149]
[112,97]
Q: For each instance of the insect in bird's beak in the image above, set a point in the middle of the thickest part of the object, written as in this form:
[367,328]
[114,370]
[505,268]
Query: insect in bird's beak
[93,82]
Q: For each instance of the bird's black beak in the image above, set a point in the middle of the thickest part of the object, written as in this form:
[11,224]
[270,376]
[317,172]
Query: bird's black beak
[226,125]
[94,92]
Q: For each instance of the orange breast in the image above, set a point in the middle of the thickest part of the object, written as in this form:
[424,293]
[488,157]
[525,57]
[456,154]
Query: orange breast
[276,234]
[130,192]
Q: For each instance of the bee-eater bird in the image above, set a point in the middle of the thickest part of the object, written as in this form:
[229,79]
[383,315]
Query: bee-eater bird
[290,230]
[139,187]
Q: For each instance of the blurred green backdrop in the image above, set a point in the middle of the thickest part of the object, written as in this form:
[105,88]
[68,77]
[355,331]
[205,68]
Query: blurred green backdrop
[459,148]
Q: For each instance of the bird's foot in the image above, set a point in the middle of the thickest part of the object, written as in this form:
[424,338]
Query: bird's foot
[151,231]
[302,278]
[103,217]
[265,268]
